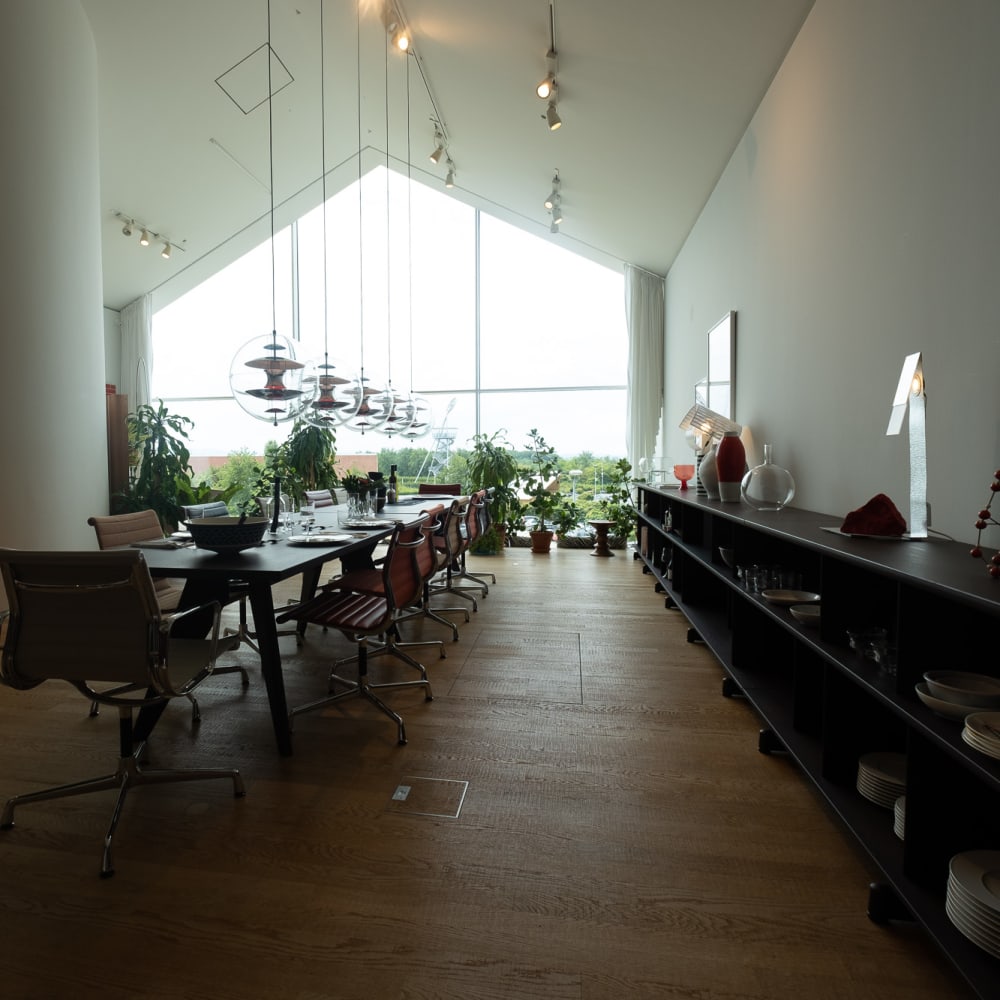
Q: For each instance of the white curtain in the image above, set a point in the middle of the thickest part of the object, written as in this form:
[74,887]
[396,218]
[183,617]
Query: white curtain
[137,351]
[646,316]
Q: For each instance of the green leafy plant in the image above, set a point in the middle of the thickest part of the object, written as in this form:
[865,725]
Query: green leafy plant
[492,465]
[537,479]
[308,455]
[567,517]
[356,484]
[160,471]
[619,505]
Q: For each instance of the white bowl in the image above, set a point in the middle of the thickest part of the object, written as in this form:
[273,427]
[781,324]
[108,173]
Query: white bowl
[807,614]
[947,709]
[963,688]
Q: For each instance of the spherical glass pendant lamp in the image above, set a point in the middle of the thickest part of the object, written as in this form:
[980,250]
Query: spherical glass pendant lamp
[266,380]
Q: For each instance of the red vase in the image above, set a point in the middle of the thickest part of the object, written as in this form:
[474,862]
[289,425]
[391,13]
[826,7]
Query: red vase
[731,464]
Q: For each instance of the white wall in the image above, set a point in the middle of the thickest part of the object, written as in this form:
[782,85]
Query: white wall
[857,222]
[52,405]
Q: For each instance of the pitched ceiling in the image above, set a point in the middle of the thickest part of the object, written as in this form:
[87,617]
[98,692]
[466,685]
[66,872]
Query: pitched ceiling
[654,96]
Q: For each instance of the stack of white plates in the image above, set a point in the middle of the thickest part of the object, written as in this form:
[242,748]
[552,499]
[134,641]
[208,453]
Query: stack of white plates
[973,898]
[982,731]
[899,817]
[882,777]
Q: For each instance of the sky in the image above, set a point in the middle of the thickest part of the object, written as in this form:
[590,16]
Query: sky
[549,320]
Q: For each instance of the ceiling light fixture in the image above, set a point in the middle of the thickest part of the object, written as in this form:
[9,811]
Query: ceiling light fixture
[273,356]
[129,226]
[435,157]
[547,89]
[449,181]
[557,212]
[554,193]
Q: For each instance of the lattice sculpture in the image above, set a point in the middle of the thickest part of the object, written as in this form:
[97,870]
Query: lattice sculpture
[984,520]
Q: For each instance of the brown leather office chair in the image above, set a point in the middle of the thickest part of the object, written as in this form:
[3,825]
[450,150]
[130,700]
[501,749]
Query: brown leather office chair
[432,561]
[118,530]
[93,619]
[360,614]
[443,489]
[452,544]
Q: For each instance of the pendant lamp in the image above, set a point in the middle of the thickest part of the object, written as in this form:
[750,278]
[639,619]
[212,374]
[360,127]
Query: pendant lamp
[279,399]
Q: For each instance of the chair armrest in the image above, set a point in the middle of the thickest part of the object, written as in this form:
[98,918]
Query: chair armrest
[167,638]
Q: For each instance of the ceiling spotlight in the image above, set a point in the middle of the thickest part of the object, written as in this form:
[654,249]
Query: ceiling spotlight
[449,181]
[438,147]
[127,228]
[554,227]
[165,252]
[400,38]
[557,213]
[552,117]
[554,193]
[144,238]
[546,88]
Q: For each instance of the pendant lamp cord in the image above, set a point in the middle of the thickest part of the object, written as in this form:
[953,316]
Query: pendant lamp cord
[361,247]
[388,241]
[322,132]
[270,167]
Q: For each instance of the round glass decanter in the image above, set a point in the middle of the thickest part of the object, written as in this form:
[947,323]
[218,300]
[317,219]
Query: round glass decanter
[767,486]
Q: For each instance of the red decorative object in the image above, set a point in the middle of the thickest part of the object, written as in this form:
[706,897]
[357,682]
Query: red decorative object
[731,464]
[877,517]
[984,520]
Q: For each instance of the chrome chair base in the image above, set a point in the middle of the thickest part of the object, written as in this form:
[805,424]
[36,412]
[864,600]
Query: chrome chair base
[128,775]
[362,688]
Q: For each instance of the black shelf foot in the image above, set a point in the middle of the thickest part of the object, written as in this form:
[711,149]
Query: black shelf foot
[884,905]
[693,636]
[768,742]
[730,689]
[658,588]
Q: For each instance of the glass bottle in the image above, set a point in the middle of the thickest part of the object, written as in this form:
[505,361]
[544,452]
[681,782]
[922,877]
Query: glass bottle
[390,496]
[768,486]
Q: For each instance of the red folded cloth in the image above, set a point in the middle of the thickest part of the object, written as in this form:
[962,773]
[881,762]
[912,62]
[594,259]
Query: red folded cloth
[877,517]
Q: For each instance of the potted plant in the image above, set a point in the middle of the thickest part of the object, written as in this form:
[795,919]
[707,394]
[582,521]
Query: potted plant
[568,520]
[541,483]
[618,505]
[492,466]
[160,471]
[309,453]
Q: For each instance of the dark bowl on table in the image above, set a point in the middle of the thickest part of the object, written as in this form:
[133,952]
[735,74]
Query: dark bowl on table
[227,534]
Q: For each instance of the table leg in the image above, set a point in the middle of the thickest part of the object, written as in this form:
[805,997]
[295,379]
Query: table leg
[262,605]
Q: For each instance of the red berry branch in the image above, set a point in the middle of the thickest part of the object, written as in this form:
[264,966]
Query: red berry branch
[984,520]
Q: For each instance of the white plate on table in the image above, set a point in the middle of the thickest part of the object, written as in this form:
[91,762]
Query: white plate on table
[367,525]
[320,538]
[786,598]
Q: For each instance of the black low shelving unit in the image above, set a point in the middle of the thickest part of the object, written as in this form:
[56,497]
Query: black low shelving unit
[823,705]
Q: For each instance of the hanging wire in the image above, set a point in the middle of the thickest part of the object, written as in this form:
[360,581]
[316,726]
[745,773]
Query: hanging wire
[270,167]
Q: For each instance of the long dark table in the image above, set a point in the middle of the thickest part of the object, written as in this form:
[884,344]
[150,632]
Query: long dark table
[207,577]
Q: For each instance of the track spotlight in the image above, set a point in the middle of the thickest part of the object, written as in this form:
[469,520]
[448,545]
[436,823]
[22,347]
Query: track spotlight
[438,147]
[554,227]
[449,181]
[554,193]
[557,213]
[546,88]
[401,40]
[552,117]
[130,224]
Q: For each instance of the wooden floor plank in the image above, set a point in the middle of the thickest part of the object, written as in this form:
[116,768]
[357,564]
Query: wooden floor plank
[620,837]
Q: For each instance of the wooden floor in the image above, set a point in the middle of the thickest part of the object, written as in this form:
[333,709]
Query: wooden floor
[619,837]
